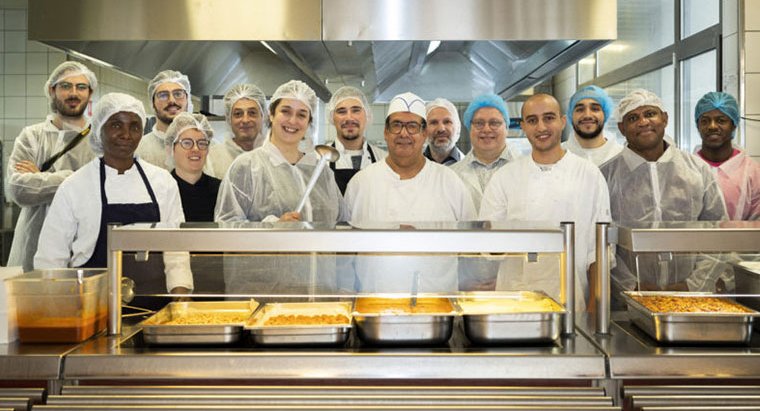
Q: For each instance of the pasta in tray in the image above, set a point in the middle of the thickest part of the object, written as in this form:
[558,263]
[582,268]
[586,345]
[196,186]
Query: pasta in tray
[300,319]
[204,318]
[684,304]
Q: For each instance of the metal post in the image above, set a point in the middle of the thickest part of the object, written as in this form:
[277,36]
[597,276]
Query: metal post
[114,286]
[568,281]
[602,278]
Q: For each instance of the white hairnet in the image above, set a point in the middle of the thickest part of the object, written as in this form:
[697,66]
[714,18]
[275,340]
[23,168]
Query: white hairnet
[240,91]
[65,70]
[344,93]
[297,90]
[185,121]
[171,76]
[107,106]
[635,99]
[449,106]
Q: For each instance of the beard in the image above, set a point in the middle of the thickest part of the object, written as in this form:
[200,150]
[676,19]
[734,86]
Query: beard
[588,135]
[163,116]
[63,109]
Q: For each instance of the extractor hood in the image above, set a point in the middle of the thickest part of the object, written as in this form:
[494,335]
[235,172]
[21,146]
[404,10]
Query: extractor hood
[380,46]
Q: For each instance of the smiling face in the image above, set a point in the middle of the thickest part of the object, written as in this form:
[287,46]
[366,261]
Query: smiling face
[350,119]
[543,122]
[716,129]
[71,96]
[404,146]
[440,130]
[245,120]
[190,160]
[120,135]
[169,99]
[644,128]
[290,120]
[491,138]
[588,118]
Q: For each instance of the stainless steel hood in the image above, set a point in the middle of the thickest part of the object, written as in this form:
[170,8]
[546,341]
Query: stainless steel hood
[381,46]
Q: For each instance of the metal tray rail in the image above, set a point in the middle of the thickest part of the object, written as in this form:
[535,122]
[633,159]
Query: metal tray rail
[735,328]
[330,335]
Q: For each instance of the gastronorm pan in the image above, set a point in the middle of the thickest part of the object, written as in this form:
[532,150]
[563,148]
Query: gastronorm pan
[161,328]
[394,321]
[296,334]
[747,275]
[510,317]
[685,327]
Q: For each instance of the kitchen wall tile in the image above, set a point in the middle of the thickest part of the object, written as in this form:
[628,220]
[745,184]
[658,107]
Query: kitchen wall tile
[752,52]
[15,41]
[36,107]
[35,83]
[15,63]
[15,85]
[752,14]
[36,63]
[15,107]
[15,19]
[36,47]
[752,93]
[12,128]
[752,138]
[54,59]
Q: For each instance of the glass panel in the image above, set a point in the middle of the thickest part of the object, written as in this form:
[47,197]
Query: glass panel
[697,15]
[659,81]
[698,77]
[644,26]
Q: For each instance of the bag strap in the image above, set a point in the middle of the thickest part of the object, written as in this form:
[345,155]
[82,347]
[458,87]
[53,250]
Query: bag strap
[73,143]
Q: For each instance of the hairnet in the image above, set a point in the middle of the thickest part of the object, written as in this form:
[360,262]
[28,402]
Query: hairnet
[449,106]
[635,99]
[241,91]
[297,90]
[107,106]
[407,103]
[486,100]
[597,94]
[714,100]
[345,93]
[65,70]
[185,121]
[171,76]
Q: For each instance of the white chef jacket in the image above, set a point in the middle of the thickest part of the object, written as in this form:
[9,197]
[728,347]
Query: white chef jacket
[34,191]
[676,187]
[572,189]
[435,194]
[71,229]
[476,174]
[597,155]
[345,161]
[153,149]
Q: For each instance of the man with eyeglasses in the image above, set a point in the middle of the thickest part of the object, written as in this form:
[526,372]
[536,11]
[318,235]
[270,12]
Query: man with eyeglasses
[169,92]
[407,188]
[349,111]
[442,132]
[47,153]
[550,185]
[590,108]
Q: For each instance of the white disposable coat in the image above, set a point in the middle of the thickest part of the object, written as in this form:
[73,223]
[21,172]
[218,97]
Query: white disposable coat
[572,189]
[152,148]
[71,229]
[34,191]
[739,181]
[476,174]
[221,156]
[377,194]
[676,187]
[598,155]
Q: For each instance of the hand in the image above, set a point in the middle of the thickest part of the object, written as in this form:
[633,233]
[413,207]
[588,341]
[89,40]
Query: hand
[291,216]
[26,166]
[179,291]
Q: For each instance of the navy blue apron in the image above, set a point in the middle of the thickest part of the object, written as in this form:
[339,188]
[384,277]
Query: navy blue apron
[344,175]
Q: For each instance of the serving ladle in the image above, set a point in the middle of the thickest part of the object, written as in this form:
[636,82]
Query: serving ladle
[326,154]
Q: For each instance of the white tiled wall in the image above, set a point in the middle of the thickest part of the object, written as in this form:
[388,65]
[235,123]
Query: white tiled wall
[751,74]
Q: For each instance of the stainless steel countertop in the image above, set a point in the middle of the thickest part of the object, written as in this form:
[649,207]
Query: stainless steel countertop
[569,358]
[32,361]
[633,354]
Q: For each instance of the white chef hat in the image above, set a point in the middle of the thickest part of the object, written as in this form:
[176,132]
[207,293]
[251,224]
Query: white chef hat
[407,103]
[635,99]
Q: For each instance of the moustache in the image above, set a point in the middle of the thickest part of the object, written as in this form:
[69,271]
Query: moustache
[350,123]
[73,100]
[171,105]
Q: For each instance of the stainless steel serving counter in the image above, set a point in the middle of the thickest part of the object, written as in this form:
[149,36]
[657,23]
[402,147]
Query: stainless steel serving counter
[32,361]
[126,357]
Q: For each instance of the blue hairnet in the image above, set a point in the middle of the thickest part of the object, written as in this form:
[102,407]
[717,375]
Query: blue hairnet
[597,94]
[486,100]
[715,100]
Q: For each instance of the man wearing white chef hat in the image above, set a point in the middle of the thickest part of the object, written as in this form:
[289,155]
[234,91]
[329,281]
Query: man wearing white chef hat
[169,93]
[651,181]
[407,188]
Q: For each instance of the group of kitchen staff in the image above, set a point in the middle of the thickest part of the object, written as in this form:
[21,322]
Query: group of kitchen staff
[83,177]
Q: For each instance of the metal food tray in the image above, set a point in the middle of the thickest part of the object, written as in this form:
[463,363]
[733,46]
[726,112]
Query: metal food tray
[405,329]
[510,327]
[300,334]
[735,328]
[747,274]
[154,332]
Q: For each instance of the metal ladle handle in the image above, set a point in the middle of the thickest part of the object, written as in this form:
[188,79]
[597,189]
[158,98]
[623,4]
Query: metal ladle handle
[312,182]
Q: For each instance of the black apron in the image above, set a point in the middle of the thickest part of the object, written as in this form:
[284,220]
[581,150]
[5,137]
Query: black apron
[344,175]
